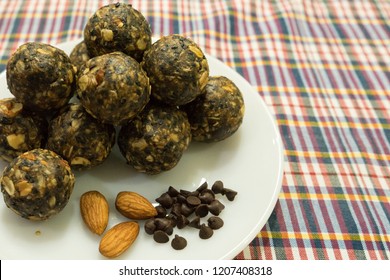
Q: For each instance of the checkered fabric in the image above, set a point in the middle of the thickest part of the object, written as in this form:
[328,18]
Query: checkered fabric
[322,67]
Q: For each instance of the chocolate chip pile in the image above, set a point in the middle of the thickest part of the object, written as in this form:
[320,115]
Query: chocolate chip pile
[182,208]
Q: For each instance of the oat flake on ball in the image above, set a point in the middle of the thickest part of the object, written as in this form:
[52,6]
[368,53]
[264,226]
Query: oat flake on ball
[177,68]
[79,138]
[118,27]
[37,184]
[113,88]
[218,112]
[154,141]
[40,76]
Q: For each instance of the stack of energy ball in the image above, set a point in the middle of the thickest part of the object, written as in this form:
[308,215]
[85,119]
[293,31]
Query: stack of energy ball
[157,96]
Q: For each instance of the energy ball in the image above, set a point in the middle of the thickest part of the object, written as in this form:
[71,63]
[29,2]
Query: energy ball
[155,140]
[79,55]
[37,184]
[20,130]
[113,88]
[177,68]
[118,27]
[40,76]
[218,113]
[79,138]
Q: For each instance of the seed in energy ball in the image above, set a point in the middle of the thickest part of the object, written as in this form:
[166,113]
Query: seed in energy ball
[218,112]
[79,55]
[178,242]
[118,27]
[20,130]
[79,138]
[113,88]
[37,184]
[40,76]
[177,68]
[155,140]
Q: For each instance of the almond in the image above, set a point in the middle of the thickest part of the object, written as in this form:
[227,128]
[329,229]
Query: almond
[134,206]
[118,239]
[94,211]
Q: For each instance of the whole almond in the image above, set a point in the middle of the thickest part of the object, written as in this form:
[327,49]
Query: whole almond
[118,239]
[134,206]
[94,211]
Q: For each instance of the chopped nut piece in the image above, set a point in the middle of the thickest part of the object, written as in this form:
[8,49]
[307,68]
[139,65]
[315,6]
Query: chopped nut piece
[16,140]
[24,188]
[107,35]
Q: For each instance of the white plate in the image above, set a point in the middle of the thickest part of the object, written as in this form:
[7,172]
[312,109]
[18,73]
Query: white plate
[250,161]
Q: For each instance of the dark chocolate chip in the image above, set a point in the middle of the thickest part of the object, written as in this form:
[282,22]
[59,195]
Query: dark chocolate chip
[182,221]
[193,200]
[195,222]
[194,193]
[230,194]
[205,232]
[215,222]
[206,196]
[217,187]
[160,236]
[150,226]
[216,207]
[163,224]
[186,210]
[172,191]
[185,192]
[181,198]
[202,187]
[165,200]
[202,210]
[161,211]
[176,209]
[178,243]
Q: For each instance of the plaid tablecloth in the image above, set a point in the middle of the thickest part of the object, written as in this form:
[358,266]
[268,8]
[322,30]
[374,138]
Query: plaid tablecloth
[322,67]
